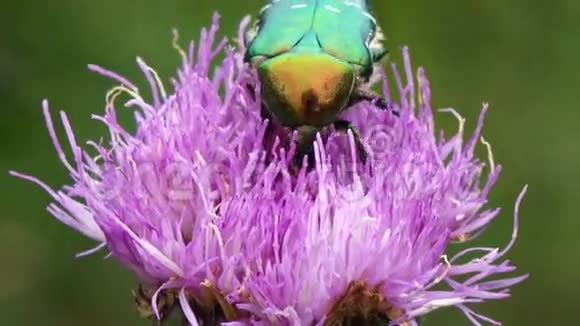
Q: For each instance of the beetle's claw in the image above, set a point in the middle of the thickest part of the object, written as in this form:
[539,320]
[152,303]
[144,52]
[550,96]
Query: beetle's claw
[380,102]
[383,104]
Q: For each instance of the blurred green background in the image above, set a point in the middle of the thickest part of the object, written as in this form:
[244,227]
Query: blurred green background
[521,56]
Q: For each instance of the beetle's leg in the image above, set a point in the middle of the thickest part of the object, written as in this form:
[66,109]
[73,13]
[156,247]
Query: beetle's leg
[298,158]
[367,95]
[344,126]
[305,145]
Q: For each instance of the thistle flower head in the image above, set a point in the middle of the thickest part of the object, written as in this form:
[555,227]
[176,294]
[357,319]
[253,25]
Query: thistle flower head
[371,240]
[206,215]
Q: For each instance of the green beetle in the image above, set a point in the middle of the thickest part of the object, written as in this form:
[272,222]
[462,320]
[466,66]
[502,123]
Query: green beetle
[314,59]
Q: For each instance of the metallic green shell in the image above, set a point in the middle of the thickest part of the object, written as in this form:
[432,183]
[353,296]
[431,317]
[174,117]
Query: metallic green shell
[345,29]
[342,28]
[281,25]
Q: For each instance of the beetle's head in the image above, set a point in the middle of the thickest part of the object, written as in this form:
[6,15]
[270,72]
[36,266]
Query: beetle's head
[305,88]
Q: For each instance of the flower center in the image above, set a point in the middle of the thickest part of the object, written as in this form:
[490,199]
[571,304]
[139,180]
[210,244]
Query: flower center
[209,304]
[361,305]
